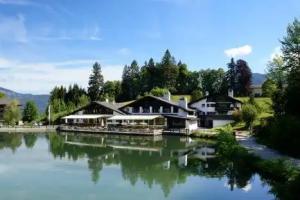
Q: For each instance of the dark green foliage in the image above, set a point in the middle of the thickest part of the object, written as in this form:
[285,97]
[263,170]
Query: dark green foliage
[112,90]
[30,112]
[291,55]
[159,92]
[96,83]
[211,81]
[268,88]
[130,85]
[282,133]
[196,94]
[168,72]
[63,99]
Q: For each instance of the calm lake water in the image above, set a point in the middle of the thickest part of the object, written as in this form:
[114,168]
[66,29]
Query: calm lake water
[69,166]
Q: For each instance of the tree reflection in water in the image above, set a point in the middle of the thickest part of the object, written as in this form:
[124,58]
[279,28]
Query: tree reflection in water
[163,161]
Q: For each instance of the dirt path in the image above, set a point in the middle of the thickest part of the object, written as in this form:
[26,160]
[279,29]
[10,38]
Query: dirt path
[260,150]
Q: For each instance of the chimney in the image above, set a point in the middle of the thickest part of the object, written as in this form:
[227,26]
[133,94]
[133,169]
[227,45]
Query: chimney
[107,100]
[182,102]
[206,93]
[230,92]
[167,96]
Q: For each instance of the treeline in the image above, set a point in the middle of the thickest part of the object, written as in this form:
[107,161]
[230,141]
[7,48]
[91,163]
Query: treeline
[154,77]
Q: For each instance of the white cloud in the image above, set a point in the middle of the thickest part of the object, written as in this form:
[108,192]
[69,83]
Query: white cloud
[13,29]
[40,78]
[276,52]
[92,34]
[16,2]
[238,51]
[124,51]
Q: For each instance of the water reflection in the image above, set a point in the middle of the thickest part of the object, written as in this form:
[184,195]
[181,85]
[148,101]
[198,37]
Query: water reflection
[162,161]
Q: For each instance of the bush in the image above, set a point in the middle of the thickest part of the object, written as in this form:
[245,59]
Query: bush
[282,134]
[159,92]
[249,114]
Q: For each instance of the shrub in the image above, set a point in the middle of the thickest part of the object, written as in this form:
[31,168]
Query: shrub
[249,114]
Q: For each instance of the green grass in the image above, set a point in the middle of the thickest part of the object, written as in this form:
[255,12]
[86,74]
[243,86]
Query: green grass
[175,98]
[265,108]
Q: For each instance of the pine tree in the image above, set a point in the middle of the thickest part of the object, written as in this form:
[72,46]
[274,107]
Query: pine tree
[231,75]
[30,112]
[169,72]
[96,83]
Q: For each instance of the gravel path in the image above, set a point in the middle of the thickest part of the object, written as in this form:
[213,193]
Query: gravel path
[260,150]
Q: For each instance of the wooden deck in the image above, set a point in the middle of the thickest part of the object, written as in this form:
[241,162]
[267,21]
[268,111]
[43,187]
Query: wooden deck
[121,131]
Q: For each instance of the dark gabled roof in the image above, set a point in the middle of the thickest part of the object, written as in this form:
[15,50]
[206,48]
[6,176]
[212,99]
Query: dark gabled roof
[112,106]
[159,99]
[217,98]
[179,117]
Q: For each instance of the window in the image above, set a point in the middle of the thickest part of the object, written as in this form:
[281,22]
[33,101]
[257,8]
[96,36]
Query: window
[203,105]
[166,110]
[155,109]
[146,110]
[135,109]
[175,109]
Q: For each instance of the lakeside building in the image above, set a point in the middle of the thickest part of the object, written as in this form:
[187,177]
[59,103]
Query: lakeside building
[216,110]
[151,114]
[256,90]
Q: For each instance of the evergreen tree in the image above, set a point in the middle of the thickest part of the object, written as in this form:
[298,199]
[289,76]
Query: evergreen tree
[182,82]
[130,81]
[30,112]
[291,55]
[96,83]
[231,76]
[169,72]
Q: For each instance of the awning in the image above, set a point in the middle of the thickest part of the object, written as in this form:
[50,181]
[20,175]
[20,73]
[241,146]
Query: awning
[134,117]
[85,116]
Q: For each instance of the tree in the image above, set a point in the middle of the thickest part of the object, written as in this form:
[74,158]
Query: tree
[168,71]
[249,114]
[182,82]
[159,92]
[268,88]
[276,71]
[291,56]
[30,112]
[231,75]
[12,113]
[96,83]
[212,80]
[112,89]
[2,95]
[244,78]
[130,81]
[196,94]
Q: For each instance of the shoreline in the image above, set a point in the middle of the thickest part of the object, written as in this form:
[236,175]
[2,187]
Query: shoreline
[28,129]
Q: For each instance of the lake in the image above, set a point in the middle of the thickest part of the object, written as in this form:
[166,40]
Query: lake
[86,167]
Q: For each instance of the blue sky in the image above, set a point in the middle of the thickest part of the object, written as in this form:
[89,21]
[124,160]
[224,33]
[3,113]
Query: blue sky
[47,43]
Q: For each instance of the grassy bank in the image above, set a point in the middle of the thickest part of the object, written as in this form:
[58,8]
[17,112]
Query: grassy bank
[283,178]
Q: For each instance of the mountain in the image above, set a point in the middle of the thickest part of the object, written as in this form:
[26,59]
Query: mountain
[258,79]
[40,100]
